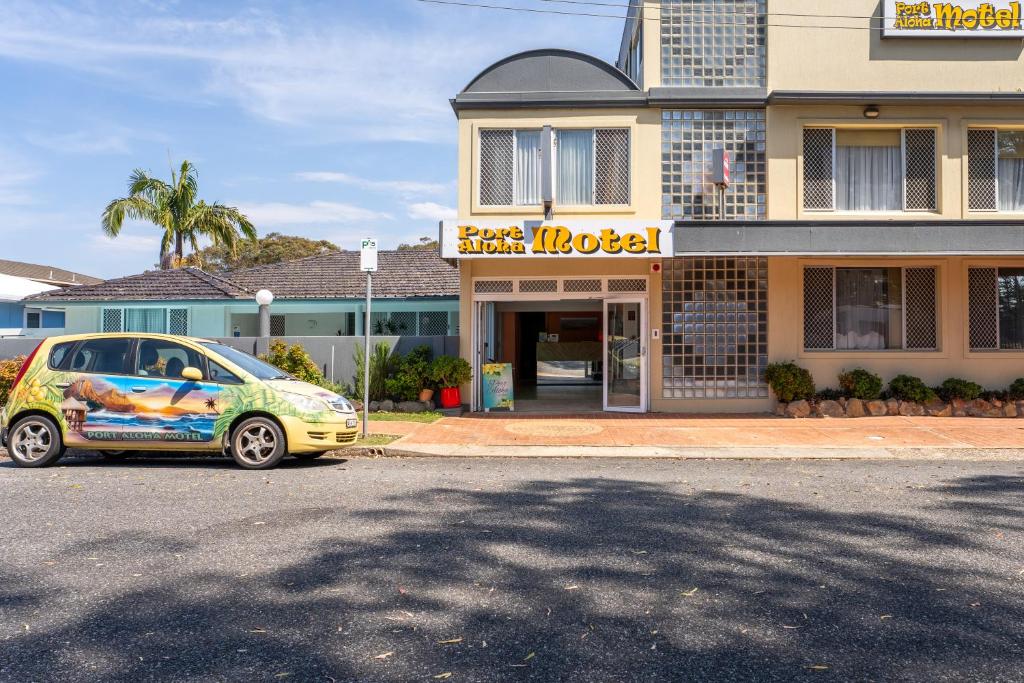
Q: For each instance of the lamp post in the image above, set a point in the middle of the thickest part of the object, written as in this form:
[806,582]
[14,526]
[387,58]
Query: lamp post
[264,298]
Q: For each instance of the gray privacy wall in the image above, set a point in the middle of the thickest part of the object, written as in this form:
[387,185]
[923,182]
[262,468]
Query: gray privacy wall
[334,355]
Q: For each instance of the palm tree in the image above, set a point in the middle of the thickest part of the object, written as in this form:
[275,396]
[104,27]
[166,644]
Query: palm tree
[176,209]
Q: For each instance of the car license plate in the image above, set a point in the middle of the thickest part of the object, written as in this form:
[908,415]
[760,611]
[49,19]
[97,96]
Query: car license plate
[351,422]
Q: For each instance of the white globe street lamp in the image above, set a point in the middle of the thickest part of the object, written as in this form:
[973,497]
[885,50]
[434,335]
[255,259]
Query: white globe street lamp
[264,298]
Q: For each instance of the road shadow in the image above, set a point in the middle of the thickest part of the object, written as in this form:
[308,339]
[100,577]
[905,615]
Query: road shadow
[586,579]
[90,459]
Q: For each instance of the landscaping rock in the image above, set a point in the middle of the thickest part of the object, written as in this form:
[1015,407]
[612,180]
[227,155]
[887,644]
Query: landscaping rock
[856,408]
[374,406]
[982,408]
[430,406]
[842,402]
[1020,408]
[387,406]
[892,407]
[830,409]
[798,409]
[1010,410]
[958,407]
[780,409]
[410,407]
[911,409]
[357,405]
[938,409]
[877,408]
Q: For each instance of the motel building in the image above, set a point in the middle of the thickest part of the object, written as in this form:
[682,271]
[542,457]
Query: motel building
[840,184]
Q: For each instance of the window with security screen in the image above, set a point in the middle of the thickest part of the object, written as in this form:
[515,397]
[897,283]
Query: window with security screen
[713,44]
[995,170]
[870,309]
[714,328]
[869,169]
[996,309]
[689,139]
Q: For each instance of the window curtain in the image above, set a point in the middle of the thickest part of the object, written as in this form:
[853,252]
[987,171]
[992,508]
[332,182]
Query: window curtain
[869,308]
[869,178]
[1011,184]
[1011,308]
[528,165]
[145,320]
[575,167]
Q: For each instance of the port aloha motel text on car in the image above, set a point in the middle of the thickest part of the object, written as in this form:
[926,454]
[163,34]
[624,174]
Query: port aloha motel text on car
[752,181]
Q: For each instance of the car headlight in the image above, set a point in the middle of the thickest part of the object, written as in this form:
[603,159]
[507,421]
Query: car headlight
[342,405]
[306,404]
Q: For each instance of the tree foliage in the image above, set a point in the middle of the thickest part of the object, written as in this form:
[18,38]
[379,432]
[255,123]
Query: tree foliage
[273,248]
[425,244]
[175,208]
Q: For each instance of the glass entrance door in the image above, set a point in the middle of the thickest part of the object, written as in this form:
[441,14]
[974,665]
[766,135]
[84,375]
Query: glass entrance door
[625,354]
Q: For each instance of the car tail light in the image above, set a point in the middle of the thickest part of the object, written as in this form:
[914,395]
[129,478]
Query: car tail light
[24,367]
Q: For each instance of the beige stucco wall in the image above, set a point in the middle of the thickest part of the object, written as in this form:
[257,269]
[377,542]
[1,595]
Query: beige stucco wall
[785,153]
[845,59]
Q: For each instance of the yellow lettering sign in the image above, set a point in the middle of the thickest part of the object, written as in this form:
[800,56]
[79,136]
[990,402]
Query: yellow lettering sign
[556,240]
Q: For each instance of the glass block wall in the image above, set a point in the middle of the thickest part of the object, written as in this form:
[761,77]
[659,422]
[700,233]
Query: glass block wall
[714,327]
[713,43]
[688,140]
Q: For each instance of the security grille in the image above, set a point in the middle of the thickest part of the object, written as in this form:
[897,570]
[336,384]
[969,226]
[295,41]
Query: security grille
[177,321]
[718,43]
[819,191]
[920,299]
[611,166]
[627,285]
[492,286]
[277,328]
[715,328]
[433,323]
[497,167]
[981,170]
[112,319]
[919,169]
[535,286]
[983,304]
[819,303]
[581,286]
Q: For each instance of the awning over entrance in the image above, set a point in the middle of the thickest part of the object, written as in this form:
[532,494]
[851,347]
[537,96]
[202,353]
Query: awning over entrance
[848,238]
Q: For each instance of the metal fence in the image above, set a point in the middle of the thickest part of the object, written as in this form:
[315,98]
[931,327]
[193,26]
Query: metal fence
[334,355]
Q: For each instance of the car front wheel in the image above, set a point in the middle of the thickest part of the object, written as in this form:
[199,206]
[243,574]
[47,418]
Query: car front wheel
[258,444]
[35,441]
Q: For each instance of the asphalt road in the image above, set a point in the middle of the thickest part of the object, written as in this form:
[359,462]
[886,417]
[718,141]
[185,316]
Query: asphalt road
[502,570]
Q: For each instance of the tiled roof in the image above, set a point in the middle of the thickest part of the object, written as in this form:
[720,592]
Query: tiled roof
[178,284]
[407,273]
[400,274]
[46,274]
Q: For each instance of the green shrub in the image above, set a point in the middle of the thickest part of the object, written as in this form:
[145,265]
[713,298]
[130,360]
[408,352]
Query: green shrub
[295,361]
[8,371]
[860,383]
[954,388]
[1016,390]
[789,381]
[828,394]
[909,388]
[450,371]
[409,374]
[380,368]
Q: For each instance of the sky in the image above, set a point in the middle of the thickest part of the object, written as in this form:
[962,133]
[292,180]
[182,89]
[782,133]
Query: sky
[329,120]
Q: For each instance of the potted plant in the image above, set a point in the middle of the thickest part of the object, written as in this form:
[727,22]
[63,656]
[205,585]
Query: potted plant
[448,372]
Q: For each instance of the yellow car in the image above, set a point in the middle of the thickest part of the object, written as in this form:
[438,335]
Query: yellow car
[117,393]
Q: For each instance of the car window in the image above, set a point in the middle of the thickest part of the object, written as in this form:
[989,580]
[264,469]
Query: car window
[102,356]
[59,355]
[159,358]
[218,373]
[254,366]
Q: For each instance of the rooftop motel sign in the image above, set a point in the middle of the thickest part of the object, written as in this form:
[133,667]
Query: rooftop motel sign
[566,239]
[968,19]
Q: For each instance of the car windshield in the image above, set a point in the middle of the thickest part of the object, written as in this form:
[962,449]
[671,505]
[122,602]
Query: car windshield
[254,366]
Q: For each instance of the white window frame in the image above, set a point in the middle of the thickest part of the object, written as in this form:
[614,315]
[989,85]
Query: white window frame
[903,311]
[515,163]
[167,317]
[995,161]
[593,170]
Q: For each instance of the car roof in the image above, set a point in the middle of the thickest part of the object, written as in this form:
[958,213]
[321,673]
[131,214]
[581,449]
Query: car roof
[124,335]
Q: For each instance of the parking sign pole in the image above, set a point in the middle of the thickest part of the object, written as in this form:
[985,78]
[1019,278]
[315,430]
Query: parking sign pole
[366,357]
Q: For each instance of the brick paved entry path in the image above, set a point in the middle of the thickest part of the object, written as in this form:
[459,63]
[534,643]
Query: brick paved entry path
[703,436]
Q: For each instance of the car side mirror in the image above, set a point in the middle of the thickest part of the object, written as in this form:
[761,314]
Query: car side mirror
[194,374]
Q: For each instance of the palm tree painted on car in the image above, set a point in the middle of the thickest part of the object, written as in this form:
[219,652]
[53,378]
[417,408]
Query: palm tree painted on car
[176,209]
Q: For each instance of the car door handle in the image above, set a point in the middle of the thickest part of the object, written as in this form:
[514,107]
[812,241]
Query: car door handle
[138,390]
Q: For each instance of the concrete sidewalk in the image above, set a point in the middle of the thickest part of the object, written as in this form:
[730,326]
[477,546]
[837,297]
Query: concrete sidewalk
[744,436]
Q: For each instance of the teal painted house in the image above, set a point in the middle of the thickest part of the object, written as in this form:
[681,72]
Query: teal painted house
[415,293]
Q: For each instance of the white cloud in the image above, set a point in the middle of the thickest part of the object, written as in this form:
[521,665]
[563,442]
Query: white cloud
[273,214]
[16,175]
[134,244]
[80,142]
[401,187]
[431,211]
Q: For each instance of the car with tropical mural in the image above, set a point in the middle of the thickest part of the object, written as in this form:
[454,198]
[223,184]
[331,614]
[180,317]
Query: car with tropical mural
[124,393]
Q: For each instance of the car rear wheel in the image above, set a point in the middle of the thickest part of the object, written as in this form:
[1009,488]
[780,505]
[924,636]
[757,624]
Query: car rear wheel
[35,441]
[258,444]
[309,456]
